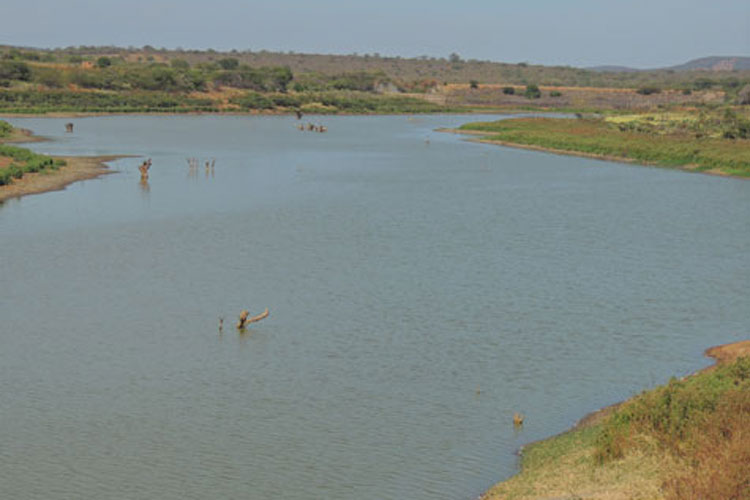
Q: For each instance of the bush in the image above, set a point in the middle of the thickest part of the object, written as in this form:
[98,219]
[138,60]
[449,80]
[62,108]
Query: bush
[474,84]
[103,62]
[5,128]
[555,93]
[180,64]
[253,100]
[671,413]
[228,63]
[532,92]
[648,90]
[509,90]
[14,70]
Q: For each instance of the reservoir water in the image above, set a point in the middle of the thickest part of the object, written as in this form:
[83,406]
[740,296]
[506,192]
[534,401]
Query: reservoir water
[422,289]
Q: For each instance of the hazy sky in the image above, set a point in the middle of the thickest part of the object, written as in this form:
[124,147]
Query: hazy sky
[640,33]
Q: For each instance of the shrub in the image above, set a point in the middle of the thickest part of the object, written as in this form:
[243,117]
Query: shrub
[5,128]
[253,100]
[103,62]
[474,84]
[228,63]
[180,64]
[648,90]
[15,171]
[5,177]
[671,413]
[532,92]
[555,93]
[509,90]
[14,70]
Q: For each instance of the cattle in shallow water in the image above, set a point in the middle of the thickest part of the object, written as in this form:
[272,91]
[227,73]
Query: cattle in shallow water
[144,169]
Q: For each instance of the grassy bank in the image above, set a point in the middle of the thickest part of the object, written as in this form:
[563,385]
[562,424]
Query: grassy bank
[687,439]
[15,162]
[640,140]
[23,172]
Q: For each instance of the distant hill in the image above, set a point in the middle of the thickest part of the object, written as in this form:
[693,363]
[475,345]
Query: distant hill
[420,74]
[713,63]
[613,69]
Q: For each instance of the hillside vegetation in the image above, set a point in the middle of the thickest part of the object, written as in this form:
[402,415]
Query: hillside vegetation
[109,79]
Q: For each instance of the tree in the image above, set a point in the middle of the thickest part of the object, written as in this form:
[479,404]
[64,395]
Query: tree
[228,63]
[103,62]
[454,58]
[743,96]
[14,70]
[474,84]
[532,92]
[180,64]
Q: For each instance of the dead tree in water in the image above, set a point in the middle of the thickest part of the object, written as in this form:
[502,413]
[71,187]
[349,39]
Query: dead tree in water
[245,319]
[69,127]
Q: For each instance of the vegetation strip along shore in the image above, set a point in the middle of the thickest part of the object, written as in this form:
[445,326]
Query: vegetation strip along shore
[715,145]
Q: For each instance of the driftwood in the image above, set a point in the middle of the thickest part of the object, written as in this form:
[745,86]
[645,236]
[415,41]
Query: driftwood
[246,319]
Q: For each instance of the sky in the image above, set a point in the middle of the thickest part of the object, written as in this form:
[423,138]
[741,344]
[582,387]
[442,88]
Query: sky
[636,33]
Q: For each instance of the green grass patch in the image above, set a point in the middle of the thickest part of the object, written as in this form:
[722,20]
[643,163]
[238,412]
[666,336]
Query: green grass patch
[600,138]
[25,161]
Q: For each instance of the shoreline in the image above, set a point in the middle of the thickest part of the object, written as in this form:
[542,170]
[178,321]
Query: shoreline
[721,354]
[77,168]
[581,154]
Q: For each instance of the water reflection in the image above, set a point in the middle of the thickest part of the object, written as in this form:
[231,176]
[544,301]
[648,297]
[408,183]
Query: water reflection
[144,185]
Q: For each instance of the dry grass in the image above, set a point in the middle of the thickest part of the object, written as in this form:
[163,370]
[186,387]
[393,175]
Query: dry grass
[687,440]
[565,468]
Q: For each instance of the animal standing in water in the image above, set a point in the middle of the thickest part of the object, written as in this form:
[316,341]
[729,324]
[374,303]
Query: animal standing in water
[69,127]
[144,169]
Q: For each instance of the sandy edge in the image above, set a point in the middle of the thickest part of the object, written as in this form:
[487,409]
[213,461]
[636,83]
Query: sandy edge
[78,168]
[593,156]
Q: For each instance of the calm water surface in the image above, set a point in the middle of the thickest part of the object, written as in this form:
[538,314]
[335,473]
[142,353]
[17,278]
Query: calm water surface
[401,274]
